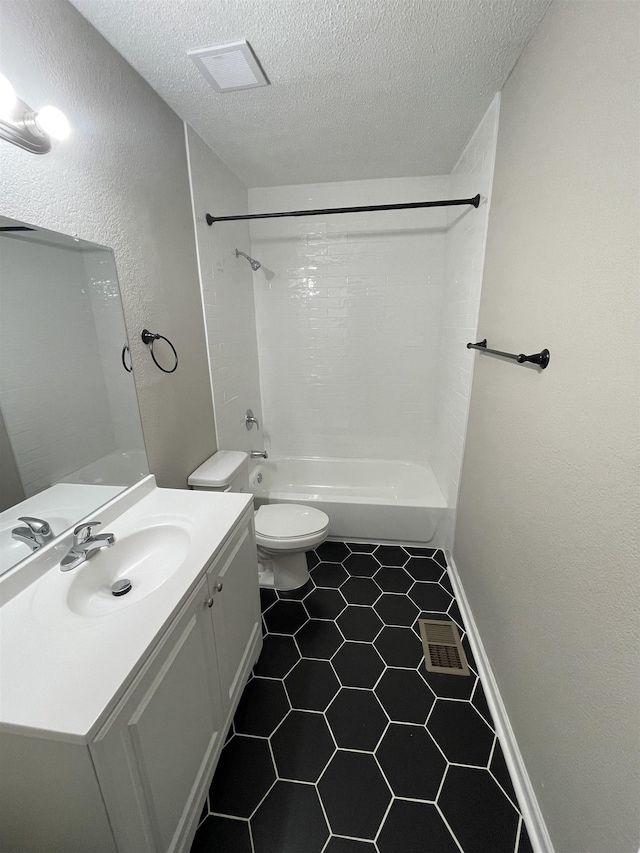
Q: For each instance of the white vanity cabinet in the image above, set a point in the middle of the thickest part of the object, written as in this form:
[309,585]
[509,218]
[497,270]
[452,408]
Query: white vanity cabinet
[235,613]
[154,756]
[137,785]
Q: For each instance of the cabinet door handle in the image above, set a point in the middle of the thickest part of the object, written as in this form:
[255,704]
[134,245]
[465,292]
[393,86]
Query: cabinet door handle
[219,586]
[210,602]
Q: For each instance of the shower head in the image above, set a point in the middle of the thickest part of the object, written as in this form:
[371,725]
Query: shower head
[255,265]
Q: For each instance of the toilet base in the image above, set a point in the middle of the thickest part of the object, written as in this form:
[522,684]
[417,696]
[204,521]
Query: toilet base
[281,570]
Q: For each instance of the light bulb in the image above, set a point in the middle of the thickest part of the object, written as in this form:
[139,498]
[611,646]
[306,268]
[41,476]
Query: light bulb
[7,97]
[53,122]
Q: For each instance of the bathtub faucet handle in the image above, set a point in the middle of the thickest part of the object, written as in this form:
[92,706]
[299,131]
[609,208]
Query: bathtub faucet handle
[250,420]
[259,454]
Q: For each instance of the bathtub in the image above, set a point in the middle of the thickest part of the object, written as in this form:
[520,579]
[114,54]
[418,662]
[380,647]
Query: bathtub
[120,468]
[365,499]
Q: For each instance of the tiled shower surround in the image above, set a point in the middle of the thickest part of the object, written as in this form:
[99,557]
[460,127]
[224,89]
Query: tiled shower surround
[227,296]
[348,317]
[343,742]
[363,318]
[464,264]
[54,286]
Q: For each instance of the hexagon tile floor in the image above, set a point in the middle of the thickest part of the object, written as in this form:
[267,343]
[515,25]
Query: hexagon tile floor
[343,742]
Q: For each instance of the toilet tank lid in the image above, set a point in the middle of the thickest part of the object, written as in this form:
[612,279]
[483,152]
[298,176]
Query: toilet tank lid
[219,470]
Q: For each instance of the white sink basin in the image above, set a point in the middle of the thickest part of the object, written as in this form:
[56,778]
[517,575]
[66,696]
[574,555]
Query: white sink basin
[68,645]
[147,558]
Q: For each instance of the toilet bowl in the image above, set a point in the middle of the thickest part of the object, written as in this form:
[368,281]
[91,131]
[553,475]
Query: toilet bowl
[283,531]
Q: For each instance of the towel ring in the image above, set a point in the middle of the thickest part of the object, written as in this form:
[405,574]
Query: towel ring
[125,349]
[150,338]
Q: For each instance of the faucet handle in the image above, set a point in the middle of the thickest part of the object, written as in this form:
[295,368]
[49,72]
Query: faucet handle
[83,531]
[250,420]
[36,525]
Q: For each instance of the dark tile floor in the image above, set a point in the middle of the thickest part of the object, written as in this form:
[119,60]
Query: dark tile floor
[343,742]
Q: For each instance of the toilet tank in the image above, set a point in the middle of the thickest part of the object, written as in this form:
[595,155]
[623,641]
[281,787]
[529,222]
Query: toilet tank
[225,471]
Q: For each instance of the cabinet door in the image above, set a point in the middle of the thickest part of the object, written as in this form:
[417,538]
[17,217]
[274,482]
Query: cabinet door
[155,755]
[233,583]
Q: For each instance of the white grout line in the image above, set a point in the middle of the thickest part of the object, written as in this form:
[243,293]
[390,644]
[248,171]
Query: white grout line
[515,805]
[252,737]
[493,748]
[386,729]
[415,800]
[342,686]
[439,810]
[383,821]
[375,758]
[518,832]
[326,816]
[441,785]
[253,847]
[438,747]
[230,817]
[356,751]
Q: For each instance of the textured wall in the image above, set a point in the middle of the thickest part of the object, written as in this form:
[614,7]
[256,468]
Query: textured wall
[546,541]
[465,247]
[121,180]
[348,316]
[227,288]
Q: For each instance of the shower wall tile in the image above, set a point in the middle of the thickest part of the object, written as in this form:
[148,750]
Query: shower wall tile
[104,293]
[45,289]
[465,248]
[227,292]
[348,316]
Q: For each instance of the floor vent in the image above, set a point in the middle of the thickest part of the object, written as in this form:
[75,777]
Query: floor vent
[443,650]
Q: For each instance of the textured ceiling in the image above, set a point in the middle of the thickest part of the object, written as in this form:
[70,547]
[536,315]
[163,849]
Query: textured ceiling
[360,88]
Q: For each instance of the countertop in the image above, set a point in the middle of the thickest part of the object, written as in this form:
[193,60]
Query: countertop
[61,673]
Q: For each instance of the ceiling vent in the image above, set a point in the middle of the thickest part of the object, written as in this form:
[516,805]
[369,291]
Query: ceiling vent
[230,67]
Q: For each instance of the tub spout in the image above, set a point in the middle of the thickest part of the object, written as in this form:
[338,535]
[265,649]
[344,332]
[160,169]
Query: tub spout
[259,454]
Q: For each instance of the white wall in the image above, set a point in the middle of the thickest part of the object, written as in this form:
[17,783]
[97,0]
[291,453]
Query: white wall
[465,248]
[547,535]
[227,289]
[49,356]
[348,310]
[121,180]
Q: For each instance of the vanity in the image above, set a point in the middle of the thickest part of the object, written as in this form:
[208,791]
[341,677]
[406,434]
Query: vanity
[114,709]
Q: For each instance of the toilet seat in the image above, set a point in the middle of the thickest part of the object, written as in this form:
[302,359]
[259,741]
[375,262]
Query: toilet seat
[289,526]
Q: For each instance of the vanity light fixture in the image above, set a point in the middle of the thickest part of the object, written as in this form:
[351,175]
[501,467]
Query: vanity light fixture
[7,97]
[29,129]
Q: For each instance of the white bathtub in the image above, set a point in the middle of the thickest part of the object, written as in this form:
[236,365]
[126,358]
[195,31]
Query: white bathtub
[120,468]
[366,499]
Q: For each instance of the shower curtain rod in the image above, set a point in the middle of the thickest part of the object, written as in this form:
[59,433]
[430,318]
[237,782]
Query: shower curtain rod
[475,201]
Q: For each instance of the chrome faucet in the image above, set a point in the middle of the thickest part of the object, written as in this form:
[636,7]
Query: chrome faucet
[259,454]
[250,420]
[36,533]
[85,545]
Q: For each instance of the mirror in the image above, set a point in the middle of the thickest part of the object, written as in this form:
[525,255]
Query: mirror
[70,431]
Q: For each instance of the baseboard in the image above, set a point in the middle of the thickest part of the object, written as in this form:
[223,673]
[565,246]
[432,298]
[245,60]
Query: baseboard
[538,834]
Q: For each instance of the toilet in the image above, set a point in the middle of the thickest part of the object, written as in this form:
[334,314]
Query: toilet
[283,531]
